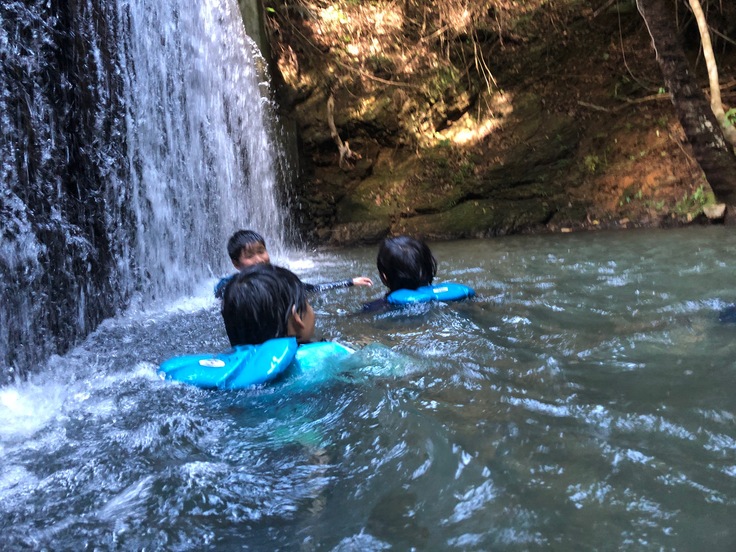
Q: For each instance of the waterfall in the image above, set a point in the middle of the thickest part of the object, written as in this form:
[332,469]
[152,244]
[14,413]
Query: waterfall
[137,136]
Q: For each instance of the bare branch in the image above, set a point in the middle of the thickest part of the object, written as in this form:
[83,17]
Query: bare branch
[348,158]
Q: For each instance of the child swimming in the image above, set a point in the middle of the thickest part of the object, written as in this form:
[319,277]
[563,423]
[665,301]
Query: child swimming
[265,302]
[403,262]
[247,248]
[270,325]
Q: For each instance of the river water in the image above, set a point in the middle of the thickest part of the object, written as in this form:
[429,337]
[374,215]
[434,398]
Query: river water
[582,401]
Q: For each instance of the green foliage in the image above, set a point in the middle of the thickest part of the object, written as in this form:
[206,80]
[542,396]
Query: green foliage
[592,163]
[380,65]
[444,79]
[658,205]
[731,116]
[693,203]
[629,198]
[442,163]
[448,169]
[640,155]
[464,172]
[690,204]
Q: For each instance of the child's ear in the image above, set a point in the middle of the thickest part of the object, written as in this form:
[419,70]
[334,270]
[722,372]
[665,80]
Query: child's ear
[383,278]
[236,265]
[295,325]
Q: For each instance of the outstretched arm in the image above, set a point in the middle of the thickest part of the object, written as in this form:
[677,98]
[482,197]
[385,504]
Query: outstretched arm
[359,281]
[221,285]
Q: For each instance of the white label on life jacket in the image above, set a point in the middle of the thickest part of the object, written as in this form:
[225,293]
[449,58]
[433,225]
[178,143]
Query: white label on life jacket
[212,363]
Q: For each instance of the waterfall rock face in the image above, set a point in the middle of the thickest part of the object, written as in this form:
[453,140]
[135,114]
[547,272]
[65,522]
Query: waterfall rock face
[137,136]
[63,157]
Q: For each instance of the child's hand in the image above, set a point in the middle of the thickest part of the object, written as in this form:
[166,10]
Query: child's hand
[362,281]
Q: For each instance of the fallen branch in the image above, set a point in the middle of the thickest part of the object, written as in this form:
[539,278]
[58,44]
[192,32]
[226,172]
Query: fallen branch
[627,102]
[348,158]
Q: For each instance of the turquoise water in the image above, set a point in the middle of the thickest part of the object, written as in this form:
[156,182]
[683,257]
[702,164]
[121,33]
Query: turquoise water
[582,401]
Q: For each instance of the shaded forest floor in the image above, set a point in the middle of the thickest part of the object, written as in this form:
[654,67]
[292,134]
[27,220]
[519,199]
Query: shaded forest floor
[633,164]
[550,113]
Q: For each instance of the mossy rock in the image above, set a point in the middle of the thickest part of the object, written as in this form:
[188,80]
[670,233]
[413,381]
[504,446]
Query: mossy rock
[380,195]
[479,218]
[357,233]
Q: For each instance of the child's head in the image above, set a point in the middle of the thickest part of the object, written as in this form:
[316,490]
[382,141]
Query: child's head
[247,248]
[405,263]
[264,302]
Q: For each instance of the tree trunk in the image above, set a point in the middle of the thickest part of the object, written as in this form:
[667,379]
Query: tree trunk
[729,131]
[703,132]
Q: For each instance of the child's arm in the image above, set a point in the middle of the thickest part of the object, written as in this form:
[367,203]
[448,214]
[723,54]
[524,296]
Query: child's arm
[358,281]
[221,284]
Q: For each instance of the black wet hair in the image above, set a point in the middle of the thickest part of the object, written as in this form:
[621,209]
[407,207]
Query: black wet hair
[241,239]
[258,301]
[405,263]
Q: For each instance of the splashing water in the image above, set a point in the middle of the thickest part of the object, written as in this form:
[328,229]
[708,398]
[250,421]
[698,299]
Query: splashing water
[138,136]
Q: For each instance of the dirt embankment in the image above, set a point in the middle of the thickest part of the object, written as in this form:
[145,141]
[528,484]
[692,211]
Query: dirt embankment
[493,120]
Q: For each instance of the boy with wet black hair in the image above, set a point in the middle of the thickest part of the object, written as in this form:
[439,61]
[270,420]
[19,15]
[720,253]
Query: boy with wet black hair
[403,263]
[247,248]
[263,302]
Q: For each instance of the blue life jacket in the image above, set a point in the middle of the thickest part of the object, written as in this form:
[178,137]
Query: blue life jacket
[220,285]
[448,291]
[248,365]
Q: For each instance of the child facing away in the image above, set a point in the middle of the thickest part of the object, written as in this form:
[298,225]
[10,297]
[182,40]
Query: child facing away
[403,263]
[270,326]
[247,248]
[263,302]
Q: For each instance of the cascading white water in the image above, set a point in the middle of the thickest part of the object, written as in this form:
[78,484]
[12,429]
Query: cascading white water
[202,160]
[137,137]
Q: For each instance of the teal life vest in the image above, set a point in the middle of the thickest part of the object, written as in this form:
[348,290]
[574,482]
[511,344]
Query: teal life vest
[448,291]
[247,365]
